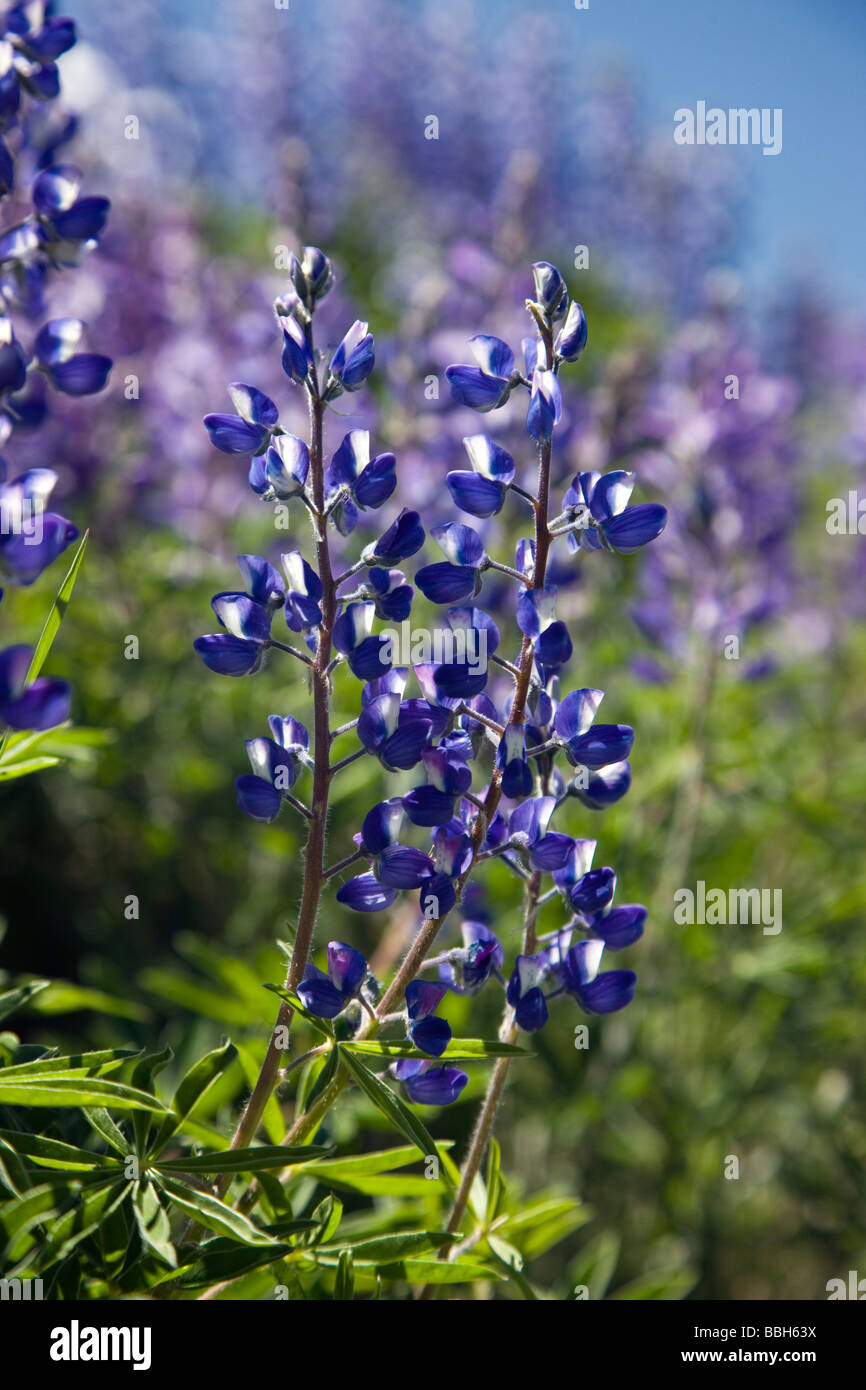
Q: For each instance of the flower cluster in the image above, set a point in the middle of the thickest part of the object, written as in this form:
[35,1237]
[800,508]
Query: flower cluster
[493,747]
[60,227]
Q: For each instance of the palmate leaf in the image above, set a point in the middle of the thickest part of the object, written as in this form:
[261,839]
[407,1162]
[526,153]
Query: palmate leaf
[393,1108]
[215,1215]
[153,1224]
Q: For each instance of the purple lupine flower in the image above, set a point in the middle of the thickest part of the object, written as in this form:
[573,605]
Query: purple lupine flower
[397,735]
[353,639]
[327,995]
[468,968]
[528,834]
[369,482]
[276,764]
[459,576]
[72,372]
[429,1033]
[390,594]
[482,491]
[352,362]
[427,1084]
[573,335]
[599,504]
[30,538]
[487,386]
[281,472]
[589,745]
[303,593]
[403,537]
[448,776]
[536,618]
[43,704]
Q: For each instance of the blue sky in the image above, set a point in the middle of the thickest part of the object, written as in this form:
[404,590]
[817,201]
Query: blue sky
[808,205]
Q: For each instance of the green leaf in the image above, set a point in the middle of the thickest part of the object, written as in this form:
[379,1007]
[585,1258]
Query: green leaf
[215,1215]
[74,1064]
[56,613]
[198,1080]
[9,769]
[53,1153]
[494,1182]
[458,1050]
[328,1214]
[153,1224]
[91,1207]
[144,1074]
[101,1122]
[72,1090]
[344,1284]
[382,1161]
[221,1260]
[272,1115]
[320,1025]
[388,1249]
[393,1108]
[243,1160]
[440,1272]
[324,1078]
[17,998]
[62,997]
[667,1285]
[595,1264]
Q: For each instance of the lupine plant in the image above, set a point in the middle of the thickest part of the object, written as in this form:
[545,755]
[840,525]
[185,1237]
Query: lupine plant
[487,753]
[55,227]
[483,757]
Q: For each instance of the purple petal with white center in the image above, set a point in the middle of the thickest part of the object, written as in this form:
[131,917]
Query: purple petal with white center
[576,713]
[493,356]
[81,375]
[242,617]
[253,405]
[545,405]
[489,459]
[287,463]
[536,610]
[378,719]
[611,493]
[381,826]
[460,544]
[574,333]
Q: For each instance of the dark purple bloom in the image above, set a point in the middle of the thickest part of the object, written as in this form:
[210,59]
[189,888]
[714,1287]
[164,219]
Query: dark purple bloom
[327,995]
[69,371]
[427,1084]
[429,1034]
[470,966]
[403,537]
[525,994]
[43,704]
[490,383]
[352,362]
